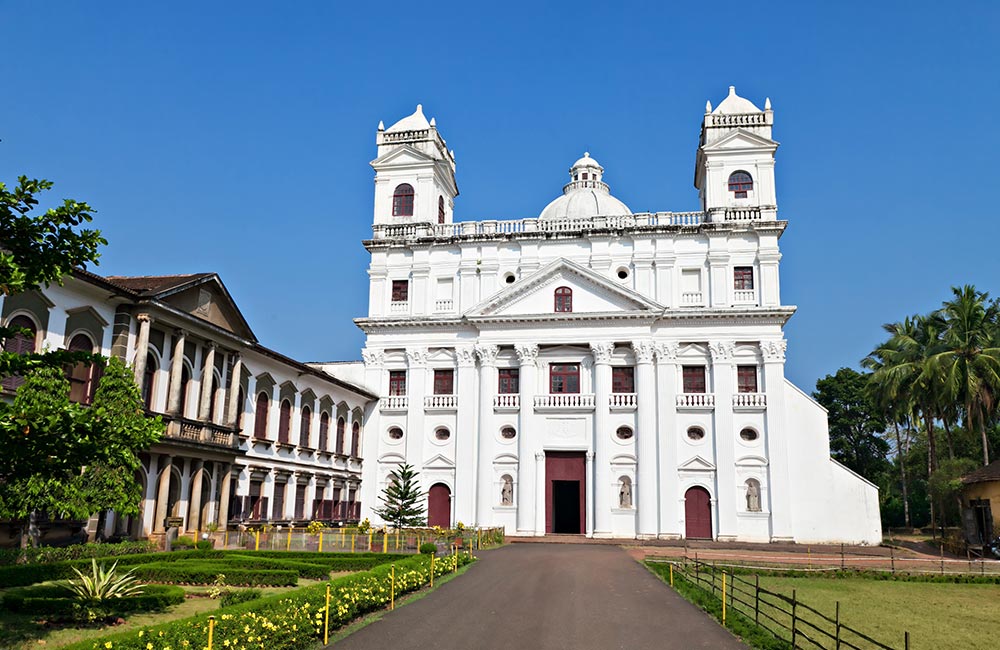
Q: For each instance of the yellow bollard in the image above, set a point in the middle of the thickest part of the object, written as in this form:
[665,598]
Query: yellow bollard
[385,542]
[723,599]
[671,574]
[326,623]
[225,543]
[455,557]
[256,545]
[432,569]
[392,590]
[343,542]
[321,542]
[370,542]
[288,546]
[479,539]
[211,630]
[352,542]
[397,540]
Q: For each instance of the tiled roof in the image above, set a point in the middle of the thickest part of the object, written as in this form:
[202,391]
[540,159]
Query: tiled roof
[990,472]
[154,284]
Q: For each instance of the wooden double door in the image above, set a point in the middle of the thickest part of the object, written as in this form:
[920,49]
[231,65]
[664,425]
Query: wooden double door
[565,492]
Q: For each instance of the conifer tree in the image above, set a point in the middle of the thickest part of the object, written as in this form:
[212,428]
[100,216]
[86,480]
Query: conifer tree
[404,502]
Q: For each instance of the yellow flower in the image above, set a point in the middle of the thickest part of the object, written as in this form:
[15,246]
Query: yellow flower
[107,645]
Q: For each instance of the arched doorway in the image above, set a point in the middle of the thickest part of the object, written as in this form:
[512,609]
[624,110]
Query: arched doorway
[697,513]
[439,506]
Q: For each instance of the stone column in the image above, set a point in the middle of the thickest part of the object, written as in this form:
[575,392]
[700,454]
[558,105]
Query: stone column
[225,495]
[666,393]
[207,374]
[176,368]
[724,387]
[777,497]
[487,389]
[646,490]
[466,443]
[416,389]
[539,494]
[141,349]
[603,450]
[234,390]
[310,505]
[163,494]
[194,511]
[213,495]
[590,494]
[148,513]
[527,355]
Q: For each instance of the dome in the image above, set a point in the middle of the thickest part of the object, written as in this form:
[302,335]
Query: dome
[585,196]
[414,122]
[734,104]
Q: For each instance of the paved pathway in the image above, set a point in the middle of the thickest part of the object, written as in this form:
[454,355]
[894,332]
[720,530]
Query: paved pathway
[548,597]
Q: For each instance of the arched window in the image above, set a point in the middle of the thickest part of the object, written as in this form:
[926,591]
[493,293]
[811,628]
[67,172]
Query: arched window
[212,399]
[402,201]
[740,183]
[440,209]
[148,378]
[81,376]
[341,428]
[305,427]
[20,343]
[355,439]
[284,421]
[564,299]
[324,431]
[260,419]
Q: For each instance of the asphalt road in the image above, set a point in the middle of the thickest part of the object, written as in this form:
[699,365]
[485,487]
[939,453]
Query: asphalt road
[548,597]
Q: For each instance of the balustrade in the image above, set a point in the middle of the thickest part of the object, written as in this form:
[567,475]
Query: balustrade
[196,431]
[394,402]
[507,401]
[696,400]
[444,305]
[742,214]
[745,296]
[565,400]
[622,400]
[749,400]
[441,401]
[399,307]
[692,299]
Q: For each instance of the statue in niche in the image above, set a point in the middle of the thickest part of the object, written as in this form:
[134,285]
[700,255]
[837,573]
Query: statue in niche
[625,493]
[753,496]
[507,491]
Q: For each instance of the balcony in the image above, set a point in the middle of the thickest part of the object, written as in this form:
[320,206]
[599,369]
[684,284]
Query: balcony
[692,299]
[622,401]
[744,297]
[695,401]
[564,401]
[201,433]
[393,403]
[444,306]
[506,402]
[399,307]
[441,402]
[749,401]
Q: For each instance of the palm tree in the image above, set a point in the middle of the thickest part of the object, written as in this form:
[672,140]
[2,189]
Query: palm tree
[968,362]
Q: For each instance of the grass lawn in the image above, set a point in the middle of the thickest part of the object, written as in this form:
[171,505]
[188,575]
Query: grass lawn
[936,615]
[23,631]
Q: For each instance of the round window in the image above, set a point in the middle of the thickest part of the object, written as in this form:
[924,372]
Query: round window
[624,433]
[623,273]
[395,433]
[748,434]
[509,278]
[442,433]
[696,433]
[508,433]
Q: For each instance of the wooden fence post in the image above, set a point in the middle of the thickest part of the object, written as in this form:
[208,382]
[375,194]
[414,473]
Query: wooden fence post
[837,647]
[794,616]
[892,559]
[756,601]
[942,556]
[843,564]
[723,599]
[906,640]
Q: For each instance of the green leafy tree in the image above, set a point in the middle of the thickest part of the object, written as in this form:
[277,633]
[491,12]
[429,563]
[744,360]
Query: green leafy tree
[37,250]
[403,501]
[855,422]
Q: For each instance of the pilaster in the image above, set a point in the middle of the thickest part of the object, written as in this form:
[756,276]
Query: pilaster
[776,442]
[527,356]
[466,440]
[723,378]
[666,404]
[487,386]
[602,444]
[646,490]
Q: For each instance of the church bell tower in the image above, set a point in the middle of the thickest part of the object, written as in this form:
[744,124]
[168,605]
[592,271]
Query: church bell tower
[414,173]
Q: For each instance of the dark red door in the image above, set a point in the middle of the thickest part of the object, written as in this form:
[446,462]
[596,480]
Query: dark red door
[439,506]
[565,492]
[698,513]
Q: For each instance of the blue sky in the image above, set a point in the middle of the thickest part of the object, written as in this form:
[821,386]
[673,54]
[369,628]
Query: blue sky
[237,138]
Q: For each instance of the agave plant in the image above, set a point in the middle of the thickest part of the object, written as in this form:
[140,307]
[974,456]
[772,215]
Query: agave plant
[103,584]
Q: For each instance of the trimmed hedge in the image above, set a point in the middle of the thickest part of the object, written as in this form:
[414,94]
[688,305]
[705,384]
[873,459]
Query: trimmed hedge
[48,554]
[57,600]
[304,569]
[291,621]
[230,598]
[204,573]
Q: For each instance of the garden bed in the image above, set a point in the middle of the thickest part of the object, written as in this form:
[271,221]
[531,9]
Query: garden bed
[56,600]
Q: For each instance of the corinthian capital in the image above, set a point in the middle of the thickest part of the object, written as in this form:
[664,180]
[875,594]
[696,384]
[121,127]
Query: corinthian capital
[487,354]
[465,355]
[721,350]
[773,350]
[416,356]
[666,351]
[527,353]
[602,351]
[643,351]
[373,358]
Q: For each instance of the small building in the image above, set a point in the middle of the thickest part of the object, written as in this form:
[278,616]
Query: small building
[980,499]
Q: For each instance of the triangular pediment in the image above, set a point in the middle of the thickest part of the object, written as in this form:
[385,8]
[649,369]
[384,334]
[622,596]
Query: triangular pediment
[592,293]
[402,156]
[439,462]
[697,464]
[740,139]
[209,300]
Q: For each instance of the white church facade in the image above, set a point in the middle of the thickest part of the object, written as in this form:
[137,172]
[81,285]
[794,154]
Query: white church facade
[596,371]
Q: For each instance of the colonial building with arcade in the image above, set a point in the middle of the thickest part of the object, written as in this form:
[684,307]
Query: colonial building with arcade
[593,370]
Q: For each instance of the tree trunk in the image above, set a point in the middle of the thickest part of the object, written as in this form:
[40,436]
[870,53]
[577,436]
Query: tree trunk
[982,433]
[947,432]
[902,470]
[931,445]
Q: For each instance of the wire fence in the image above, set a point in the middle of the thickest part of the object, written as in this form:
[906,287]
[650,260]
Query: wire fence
[785,617]
[353,540]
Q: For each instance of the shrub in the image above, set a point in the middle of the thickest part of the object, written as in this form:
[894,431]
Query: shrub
[237,596]
[428,548]
[303,568]
[288,621]
[55,600]
[103,584]
[49,554]
[183,542]
[203,545]
[204,573]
